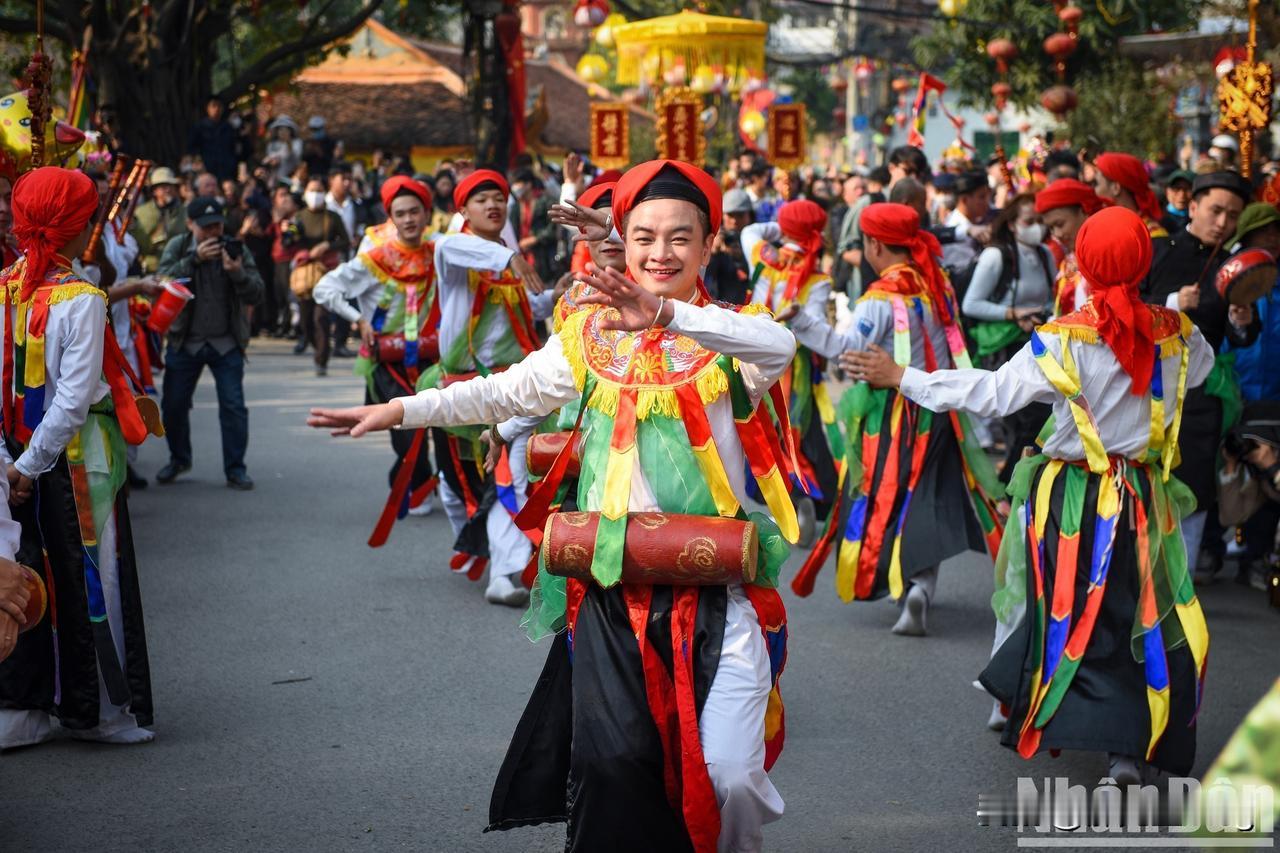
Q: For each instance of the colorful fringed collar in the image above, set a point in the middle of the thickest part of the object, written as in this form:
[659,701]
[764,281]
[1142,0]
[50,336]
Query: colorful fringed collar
[776,264]
[1082,325]
[654,363]
[405,264]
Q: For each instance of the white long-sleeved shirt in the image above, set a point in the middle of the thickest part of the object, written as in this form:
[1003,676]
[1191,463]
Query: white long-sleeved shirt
[1033,287]
[544,382]
[767,292]
[73,341]
[1123,419]
[456,256]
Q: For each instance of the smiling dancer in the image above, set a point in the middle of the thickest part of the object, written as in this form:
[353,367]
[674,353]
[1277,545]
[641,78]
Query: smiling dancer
[657,731]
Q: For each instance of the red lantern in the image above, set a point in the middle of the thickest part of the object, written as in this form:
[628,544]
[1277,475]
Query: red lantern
[839,83]
[1059,100]
[992,118]
[1060,45]
[1002,91]
[1070,15]
[589,14]
[839,117]
[903,84]
[1002,51]
[863,71]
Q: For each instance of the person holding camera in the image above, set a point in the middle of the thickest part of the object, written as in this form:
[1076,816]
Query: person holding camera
[1010,293]
[1249,489]
[211,331]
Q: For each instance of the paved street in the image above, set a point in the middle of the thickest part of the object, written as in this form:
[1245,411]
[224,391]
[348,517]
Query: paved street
[315,695]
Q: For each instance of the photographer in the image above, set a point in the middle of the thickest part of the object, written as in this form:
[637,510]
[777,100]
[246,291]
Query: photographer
[212,330]
[1249,489]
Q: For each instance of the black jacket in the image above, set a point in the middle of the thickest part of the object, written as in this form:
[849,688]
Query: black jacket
[1181,260]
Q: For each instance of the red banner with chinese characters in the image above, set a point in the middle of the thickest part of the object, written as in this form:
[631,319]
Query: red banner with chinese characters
[610,148]
[786,135]
[680,135]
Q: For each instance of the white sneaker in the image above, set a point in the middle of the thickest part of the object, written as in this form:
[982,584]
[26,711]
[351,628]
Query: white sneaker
[1125,769]
[915,610]
[425,508]
[807,521]
[502,591]
[997,720]
[129,736]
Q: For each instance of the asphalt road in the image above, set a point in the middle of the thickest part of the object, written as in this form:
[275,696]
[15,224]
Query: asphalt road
[315,695]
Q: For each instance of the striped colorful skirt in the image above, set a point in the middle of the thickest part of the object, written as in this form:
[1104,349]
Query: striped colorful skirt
[1110,654]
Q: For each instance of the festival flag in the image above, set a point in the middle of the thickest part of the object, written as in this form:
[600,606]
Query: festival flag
[787,135]
[929,83]
[610,146]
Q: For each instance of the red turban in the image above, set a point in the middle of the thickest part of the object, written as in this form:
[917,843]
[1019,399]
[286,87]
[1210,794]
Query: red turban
[51,206]
[404,184]
[1068,192]
[1113,253]
[608,176]
[899,225]
[1128,171]
[802,221]
[471,183]
[689,183]
[593,194]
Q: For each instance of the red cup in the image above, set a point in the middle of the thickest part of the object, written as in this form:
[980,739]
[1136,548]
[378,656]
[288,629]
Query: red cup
[169,305]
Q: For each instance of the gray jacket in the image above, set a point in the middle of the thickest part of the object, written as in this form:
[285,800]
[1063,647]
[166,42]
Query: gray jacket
[179,261]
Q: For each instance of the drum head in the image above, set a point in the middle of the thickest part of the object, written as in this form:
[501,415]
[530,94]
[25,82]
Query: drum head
[1247,277]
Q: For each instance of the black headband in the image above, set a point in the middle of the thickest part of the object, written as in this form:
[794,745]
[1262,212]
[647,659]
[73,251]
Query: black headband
[604,202]
[669,183]
[483,186]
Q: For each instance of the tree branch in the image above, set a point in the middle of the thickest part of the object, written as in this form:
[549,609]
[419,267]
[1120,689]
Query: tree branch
[27,26]
[289,56]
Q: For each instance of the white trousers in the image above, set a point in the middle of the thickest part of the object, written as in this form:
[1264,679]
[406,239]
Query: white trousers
[19,727]
[509,548]
[732,731]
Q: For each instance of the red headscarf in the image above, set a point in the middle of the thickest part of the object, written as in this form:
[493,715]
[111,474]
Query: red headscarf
[802,221]
[1113,253]
[608,176]
[637,178]
[899,225]
[470,183]
[1068,192]
[51,206]
[1128,171]
[403,183]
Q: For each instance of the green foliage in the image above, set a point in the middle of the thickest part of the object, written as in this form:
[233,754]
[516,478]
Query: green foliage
[958,50]
[810,86]
[1123,108]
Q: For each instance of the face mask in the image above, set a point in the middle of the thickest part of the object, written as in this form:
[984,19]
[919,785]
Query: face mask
[314,199]
[1030,235]
[520,192]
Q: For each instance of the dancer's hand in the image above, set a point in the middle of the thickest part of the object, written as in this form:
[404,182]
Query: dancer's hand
[787,313]
[874,366]
[8,635]
[358,420]
[13,593]
[593,224]
[524,271]
[637,308]
[20,486]
[492,439]
[367,336]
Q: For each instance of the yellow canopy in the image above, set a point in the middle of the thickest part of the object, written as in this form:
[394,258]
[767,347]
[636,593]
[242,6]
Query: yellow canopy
[733,46]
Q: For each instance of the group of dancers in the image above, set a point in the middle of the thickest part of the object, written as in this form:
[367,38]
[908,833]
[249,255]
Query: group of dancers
[671,418]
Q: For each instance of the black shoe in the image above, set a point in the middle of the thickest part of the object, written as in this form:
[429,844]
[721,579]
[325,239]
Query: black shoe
[322,370]
[239,482]
[300,347]
[134,480]
[343,352]
[170,472]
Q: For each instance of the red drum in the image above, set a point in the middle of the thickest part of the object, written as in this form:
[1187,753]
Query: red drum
[169,305]
[1247,276]
[541,452]
[38,601]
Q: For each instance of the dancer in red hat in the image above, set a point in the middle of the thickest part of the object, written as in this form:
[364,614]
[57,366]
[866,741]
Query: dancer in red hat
[917,489]
[787,279]
[1065,205]
[1123,179]
[68,413]
[657,715]
[393,283]
[1110,656]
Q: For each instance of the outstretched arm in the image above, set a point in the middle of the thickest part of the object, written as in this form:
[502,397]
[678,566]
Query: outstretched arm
[538,385]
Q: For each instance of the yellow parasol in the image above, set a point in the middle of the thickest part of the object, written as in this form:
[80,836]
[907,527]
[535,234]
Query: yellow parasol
[692,40]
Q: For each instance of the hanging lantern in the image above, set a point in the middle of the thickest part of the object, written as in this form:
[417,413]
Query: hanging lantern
[675,75]
[752,124]
[1024,127]
[1059,100]
[839,83]
[592,68]
[590,13]
[839,117]
[863,70]
[952,8]
[704,80]
[992,118]
[1060,46]
[1003,52]
[1002,91]
[604,34]
[1071,16]
[902,85]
